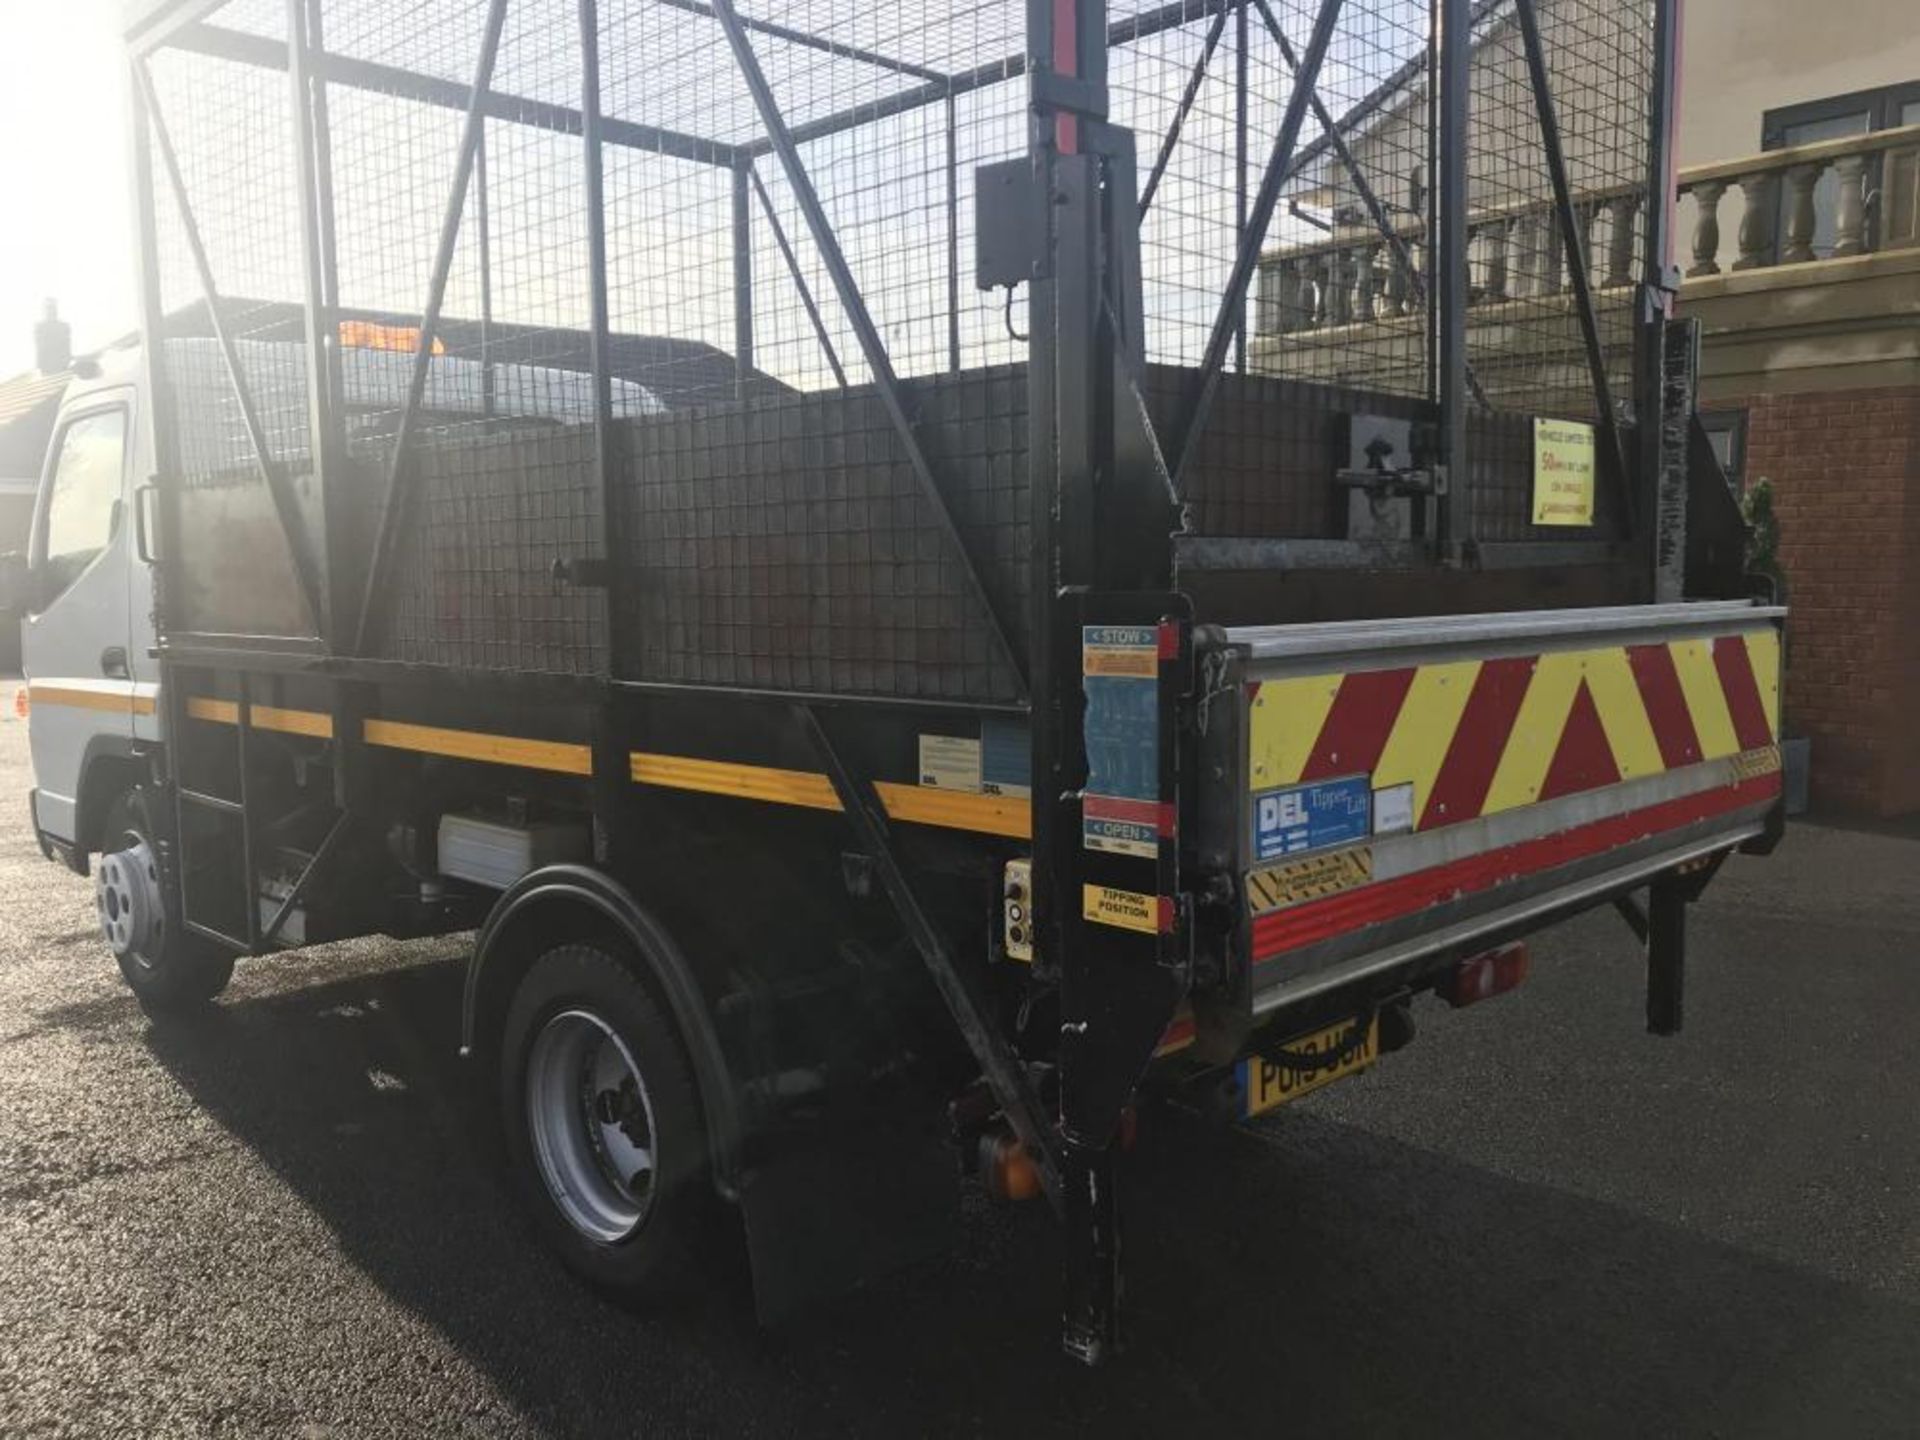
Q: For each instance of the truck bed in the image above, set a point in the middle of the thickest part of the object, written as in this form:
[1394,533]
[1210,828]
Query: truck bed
[782,543]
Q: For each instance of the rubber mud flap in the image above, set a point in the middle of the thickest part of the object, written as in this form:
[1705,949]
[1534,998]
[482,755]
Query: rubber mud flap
[857,1193]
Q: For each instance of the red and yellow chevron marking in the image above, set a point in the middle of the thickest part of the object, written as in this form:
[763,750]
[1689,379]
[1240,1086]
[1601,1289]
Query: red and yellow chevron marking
[1476,737]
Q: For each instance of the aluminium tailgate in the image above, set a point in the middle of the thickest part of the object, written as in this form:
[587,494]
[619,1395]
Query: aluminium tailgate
[1385,790]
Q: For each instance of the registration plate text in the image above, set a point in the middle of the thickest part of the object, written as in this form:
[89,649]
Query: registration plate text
[1268,1083]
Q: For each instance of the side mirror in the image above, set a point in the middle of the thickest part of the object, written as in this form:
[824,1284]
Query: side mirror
[16,583]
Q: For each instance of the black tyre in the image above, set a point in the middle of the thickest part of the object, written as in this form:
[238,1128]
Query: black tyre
[602,1121]
[166,967]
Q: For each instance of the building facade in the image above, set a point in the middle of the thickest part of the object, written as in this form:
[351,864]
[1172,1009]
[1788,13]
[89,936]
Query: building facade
[1799,230]
[1798,235]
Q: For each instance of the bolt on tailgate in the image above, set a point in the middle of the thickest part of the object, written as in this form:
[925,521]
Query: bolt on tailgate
[1385,790]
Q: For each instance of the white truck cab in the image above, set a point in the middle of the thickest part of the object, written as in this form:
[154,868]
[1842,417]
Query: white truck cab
[94,722]
[87,640]
[96,716]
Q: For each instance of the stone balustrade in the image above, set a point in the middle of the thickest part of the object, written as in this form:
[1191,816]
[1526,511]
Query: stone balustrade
[1873,204]
[1358,275]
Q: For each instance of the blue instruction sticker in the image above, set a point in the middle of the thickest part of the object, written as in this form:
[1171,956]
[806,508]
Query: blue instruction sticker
[1006,756]
[1311,817]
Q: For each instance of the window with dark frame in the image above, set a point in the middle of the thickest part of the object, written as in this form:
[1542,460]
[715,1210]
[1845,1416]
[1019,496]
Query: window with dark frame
[1727,433]
[83,502]
[1860,113]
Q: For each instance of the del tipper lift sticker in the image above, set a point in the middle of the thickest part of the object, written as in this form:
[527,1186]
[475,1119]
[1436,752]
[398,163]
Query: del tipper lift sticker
[1121,812]
[1312,817]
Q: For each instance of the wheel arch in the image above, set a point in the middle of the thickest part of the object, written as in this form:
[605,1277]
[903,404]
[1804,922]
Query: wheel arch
[576,902]
[111,766]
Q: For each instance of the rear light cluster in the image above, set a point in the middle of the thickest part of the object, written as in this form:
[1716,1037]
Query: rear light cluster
[1006,1168]
[1008,1171]
[1483,976]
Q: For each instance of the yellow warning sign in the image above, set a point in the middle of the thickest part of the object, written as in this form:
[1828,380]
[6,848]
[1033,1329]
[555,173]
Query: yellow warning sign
[1127,909]
[1308,878]
[1562,472]
[1752,764]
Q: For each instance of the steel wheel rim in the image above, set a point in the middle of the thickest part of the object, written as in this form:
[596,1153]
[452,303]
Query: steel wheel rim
[592,1124]
[127,897]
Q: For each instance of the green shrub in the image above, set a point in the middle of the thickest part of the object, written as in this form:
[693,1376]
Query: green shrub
[1763,530]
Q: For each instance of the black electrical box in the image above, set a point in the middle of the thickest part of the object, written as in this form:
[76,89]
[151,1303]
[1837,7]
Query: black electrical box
[1007,223]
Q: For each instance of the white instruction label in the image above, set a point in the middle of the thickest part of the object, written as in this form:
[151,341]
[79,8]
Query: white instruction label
[1393,809]
[950,762]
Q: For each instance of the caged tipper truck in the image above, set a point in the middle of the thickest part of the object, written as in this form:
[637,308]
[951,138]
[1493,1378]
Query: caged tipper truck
[923,575]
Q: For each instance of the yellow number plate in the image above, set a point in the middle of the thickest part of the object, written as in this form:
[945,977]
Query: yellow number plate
[1266,1084]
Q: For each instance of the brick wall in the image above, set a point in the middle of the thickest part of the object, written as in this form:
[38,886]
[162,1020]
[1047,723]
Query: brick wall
[1845,468]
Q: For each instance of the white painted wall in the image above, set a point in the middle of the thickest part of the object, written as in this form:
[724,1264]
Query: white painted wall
[1741,58]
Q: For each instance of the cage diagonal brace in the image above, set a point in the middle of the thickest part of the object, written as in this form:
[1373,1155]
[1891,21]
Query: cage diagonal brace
[394,500]
[1376,208]
[1576,249]
[285,504]
[872,347]
[1227,322]
[996,1057]
[1181,111]
[792,261]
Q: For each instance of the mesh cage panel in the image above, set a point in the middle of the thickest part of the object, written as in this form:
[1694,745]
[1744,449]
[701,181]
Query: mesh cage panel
[767,520]
[1352,304]
[227,127]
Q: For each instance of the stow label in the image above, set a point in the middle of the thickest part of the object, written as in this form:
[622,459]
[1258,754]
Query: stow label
[1132,651]
[1123,909]
[1476,737]
[1309,878]
[1121,811]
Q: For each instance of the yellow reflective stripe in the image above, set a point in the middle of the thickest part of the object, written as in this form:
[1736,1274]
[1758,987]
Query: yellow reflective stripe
[1763,654]
[114,697]
[724,777]
[1536,732]
[957,809]
[1429,719]
[913,804]
[555,755]
[1623,714]
[264,717]
[311,723]
[1706,702]
[1283,723]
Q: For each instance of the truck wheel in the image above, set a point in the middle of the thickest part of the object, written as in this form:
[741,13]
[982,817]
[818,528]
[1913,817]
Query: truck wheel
[165,966]
[602,1125]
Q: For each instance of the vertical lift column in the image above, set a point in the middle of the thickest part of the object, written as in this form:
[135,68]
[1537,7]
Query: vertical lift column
[1110,647]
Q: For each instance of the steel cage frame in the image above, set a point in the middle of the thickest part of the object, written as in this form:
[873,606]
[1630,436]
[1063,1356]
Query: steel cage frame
[186,25]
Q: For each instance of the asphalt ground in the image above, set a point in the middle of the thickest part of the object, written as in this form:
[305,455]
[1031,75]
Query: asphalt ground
[285,1219]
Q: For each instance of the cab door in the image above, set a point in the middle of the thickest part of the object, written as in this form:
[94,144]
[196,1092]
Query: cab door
[75,642]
